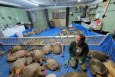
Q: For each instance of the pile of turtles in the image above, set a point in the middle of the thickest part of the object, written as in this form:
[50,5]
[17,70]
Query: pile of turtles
[69,31]
[36,31]
[29,63]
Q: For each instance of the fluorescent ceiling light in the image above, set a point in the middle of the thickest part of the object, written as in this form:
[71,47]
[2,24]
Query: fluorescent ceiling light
[8,3]
[32,2]
[79,0]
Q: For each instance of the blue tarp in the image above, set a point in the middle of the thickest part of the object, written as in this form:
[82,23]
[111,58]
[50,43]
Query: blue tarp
[86,32]
[107,45]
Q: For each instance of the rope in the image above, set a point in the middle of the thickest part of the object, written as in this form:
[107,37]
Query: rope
[20,70]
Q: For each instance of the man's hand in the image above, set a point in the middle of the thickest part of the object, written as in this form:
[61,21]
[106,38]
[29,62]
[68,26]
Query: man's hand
[72,59]
[80,62]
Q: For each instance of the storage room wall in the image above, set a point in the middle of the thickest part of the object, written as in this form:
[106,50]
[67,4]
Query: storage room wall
[75,14]
[109,21]
[15,12]
[40,19]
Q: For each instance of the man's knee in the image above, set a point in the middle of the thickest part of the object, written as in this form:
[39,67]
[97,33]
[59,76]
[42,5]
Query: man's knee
[83,66]
[72,64]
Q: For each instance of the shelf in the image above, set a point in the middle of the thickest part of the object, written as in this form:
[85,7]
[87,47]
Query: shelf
[91,17]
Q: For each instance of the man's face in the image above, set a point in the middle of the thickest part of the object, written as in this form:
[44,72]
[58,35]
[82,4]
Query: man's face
[78,40]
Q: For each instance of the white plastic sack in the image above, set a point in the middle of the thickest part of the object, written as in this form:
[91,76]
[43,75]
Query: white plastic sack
[19,34]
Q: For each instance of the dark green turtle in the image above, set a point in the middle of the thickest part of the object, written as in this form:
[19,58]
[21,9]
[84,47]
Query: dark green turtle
[74,74]
[97,66]
[97,54]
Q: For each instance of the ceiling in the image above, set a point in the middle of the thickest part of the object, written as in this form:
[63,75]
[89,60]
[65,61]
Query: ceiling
[47,3]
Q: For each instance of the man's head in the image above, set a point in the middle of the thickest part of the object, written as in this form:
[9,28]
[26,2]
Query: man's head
[79,39]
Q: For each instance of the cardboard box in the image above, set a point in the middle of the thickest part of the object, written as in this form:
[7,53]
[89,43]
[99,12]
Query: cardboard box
[106,75]
[104,4]
[110,68]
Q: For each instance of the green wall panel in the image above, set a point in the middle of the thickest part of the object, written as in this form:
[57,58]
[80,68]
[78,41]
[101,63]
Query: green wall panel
[109,21]
[15,12]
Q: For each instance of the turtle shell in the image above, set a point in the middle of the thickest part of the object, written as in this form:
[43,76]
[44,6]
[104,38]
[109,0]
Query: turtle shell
[47,48]
[32,70]
[56,48]
[37,54]
[97,54]
[18,64]
[28,54]
[16,55]
[52,64]
[74,74]
[97,66]
[17,48]
[34,48]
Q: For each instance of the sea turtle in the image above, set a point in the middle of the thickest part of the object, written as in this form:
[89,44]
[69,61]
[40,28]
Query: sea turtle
[96,66]
[17,66]
[34,48]
[17,48]
[74,74]
[25,34]
[47,48]
[38,31]
[53,64]
[29,59]
[2,52]
[97,54]
[56,48]
[17,55]
[38,56]
[32,70]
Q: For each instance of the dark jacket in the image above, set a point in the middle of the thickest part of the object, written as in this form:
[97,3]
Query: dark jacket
[72,50]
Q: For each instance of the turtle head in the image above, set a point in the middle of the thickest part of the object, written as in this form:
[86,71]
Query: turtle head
[11,58]
[61,76]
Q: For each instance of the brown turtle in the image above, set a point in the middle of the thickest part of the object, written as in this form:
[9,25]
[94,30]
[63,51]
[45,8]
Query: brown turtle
[2,52]
[34,48]
[97,54]
[17,66]
[53,64]
[56,48]
[17,48]
[97,66]
[32,70]
[29,59]
[74,74]
[38,56]
[17,55]
[47,48]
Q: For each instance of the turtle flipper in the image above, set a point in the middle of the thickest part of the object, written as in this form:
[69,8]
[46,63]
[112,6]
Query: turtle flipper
[12,74]
[61,76]
[40,74]
[92,72]
[40,60]
[45,59]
